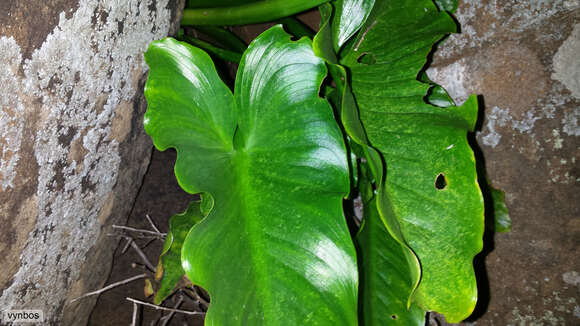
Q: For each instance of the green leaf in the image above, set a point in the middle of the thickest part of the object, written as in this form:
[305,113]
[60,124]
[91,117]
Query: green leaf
[447,5]
[170,259]
[438,96]
[386,283]
[275,248]
[348,18]
[350,119]
[430,194]
[503,222]
[324,48]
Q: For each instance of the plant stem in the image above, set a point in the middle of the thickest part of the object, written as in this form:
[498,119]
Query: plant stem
[214,3]
[218,52]
[255,12]
[296,27]
[228,39]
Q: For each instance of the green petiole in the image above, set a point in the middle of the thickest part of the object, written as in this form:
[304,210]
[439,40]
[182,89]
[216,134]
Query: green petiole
[223,36]
[296,27]
[254,12]
[211,49]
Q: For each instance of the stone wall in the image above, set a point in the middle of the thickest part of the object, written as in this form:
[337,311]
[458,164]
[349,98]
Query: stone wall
[523,57]
[72,146]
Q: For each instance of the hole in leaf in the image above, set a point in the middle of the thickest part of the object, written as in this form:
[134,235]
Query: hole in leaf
[367,59]
[393,317]
[440,182]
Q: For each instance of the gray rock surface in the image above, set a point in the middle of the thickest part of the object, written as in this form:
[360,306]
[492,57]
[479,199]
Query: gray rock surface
[72,147]
[523,57]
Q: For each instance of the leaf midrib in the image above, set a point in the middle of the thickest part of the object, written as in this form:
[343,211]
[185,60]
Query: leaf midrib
[241,162]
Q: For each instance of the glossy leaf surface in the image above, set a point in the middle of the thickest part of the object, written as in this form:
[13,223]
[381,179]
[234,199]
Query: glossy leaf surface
[430,194]
[385,281]
[349,116]
[275,248]
[348,17]
[324,47]
[170,259]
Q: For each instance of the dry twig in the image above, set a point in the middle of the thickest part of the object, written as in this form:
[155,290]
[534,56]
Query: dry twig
[194,295]
[152,224]
[129,240]
[135,310]
[143,256]
[142,231]
[167,318]
[110,286]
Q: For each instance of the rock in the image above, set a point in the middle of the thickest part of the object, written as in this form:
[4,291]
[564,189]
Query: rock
[72,146]
[522,56]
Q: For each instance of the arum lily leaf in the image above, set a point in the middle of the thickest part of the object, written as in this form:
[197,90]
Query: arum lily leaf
[430,194]
[438,96]
[351,122]
[275,248]
[169,269]
[324,48]
[447,5]
[386,282]
[348,18]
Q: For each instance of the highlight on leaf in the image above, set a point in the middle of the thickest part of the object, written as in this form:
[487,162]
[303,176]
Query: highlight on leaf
[274,161]
[271,164]
[436,180]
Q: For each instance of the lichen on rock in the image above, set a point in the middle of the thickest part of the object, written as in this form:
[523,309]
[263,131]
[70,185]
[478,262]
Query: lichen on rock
[88,67]
[566,63]
[10,111]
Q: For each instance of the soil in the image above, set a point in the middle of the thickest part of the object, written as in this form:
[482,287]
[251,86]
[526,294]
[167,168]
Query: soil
[160,197]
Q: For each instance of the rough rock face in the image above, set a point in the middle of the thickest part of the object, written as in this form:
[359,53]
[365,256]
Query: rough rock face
[72,147]
[523,57]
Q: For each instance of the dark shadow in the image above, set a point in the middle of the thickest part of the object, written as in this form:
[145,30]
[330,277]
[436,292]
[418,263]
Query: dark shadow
[483,288]
[351,219]
[435,47]
[484,295]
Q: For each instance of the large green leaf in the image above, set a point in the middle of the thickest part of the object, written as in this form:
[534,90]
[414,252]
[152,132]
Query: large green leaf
[323,47]
[275,248]
[430,194]
[169,267]
[385,281]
